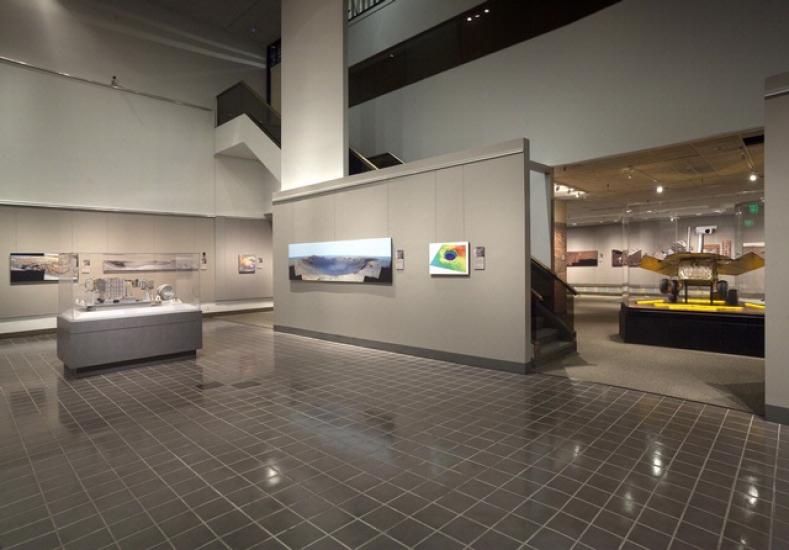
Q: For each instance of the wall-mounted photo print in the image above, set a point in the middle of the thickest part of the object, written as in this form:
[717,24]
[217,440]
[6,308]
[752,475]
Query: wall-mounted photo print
[582,258]
[38,267]
[621,257]
[448,258]
[247,263]
[352,261]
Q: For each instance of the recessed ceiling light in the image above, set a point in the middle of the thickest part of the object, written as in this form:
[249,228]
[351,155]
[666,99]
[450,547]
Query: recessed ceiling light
[468,18]
[659,189]
[753,177]
[476,15]
[628,211]
[487,10]
[649,211]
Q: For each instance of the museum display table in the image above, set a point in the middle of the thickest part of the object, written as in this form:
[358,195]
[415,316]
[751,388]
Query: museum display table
[726,331]
[88,339]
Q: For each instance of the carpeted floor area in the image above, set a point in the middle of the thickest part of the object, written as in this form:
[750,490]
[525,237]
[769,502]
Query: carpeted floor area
[726,380]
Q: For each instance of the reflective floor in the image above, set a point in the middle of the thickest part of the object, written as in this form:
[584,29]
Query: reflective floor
[276,441]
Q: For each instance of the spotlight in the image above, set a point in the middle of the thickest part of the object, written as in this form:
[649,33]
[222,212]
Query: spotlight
[753,177]
[487,10]
[659,189]
[468,18]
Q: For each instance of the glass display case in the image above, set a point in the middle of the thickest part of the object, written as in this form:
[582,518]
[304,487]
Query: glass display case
[104,285]
[703,260]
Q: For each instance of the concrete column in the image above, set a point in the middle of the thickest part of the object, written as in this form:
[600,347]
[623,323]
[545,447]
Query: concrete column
[776,183]
[314,92]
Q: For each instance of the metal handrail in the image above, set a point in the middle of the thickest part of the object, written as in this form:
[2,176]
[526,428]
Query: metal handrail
[360,7]
[250,89]
[553,275]
[112,86]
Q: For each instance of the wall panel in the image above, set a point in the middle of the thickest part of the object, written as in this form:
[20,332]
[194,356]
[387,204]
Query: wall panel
[484,315]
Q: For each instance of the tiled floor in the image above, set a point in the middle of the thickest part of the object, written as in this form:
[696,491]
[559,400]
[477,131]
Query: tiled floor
[274,441]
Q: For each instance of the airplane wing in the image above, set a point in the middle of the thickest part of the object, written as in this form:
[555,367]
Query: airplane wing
[743,264]
[659,266]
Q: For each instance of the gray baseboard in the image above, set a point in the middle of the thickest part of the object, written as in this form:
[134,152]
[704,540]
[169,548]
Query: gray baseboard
[774,413]
[472,360]
[237,312]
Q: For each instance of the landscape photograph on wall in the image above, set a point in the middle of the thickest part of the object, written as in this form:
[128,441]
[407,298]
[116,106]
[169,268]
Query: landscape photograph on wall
[582,258]
[152,263]
[247,263]
[38,267]
[448,258]
[353,261]
[622,257]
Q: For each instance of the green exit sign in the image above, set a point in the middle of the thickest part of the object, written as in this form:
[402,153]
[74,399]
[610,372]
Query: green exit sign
[753,208]
[748,223]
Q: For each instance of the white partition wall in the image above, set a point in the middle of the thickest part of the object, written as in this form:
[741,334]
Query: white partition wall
[481,196]
[776,179]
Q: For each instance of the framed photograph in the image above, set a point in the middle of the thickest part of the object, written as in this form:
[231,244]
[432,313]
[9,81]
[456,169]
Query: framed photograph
[39,267]
[620,258]
[351,261]
[247,263]
[449,258]
[582,258]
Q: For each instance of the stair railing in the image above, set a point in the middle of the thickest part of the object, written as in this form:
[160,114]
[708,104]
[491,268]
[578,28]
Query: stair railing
[553,299]
[242,99]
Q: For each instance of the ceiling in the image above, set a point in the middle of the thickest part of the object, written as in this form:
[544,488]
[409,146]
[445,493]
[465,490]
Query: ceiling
[705,176]
[257,20]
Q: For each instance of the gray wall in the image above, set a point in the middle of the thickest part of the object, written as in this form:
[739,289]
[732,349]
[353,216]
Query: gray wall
[67,143]
[52,230]
[777,228]
[233,238]
[484,315]
[639,74]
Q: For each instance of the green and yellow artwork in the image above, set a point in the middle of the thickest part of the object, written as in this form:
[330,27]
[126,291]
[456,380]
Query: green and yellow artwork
[449,258]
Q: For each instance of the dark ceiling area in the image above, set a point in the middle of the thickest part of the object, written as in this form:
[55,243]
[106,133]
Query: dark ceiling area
[487,28]
[257,20]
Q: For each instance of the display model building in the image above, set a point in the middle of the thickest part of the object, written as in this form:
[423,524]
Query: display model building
[351,261]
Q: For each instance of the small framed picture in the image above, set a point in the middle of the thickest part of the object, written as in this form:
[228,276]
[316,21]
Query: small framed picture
[247,263]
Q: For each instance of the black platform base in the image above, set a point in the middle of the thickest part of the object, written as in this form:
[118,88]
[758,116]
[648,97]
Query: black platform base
[735,333]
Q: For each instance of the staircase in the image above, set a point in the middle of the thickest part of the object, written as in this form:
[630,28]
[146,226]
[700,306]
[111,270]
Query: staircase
[248,127]
[553,332]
